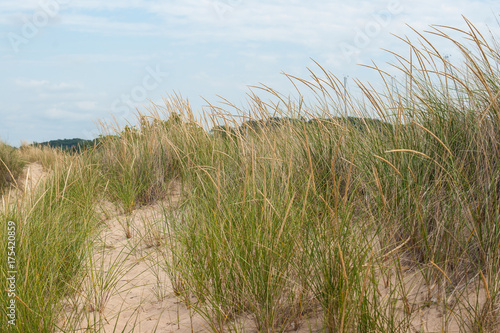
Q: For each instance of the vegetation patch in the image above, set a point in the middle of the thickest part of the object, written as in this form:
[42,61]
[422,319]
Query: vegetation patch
[11,165]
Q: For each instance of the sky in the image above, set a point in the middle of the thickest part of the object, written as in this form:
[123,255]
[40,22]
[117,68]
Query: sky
[67,64]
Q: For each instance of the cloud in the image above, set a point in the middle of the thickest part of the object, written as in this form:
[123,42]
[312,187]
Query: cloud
[57,113]
[17,6]
[316,23]
[313,24]
[104,25]
[24,83]
[46,86]
[86,105]
[31,5]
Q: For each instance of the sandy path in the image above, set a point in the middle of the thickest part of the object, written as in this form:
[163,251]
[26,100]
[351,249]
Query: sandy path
[32,176]
[127,289]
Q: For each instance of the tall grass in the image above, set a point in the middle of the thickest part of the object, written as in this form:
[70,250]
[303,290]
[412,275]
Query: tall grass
[281,218]
[11,165]
[299,216]
[270,232]
[48,157]
[136,164]
[53,226]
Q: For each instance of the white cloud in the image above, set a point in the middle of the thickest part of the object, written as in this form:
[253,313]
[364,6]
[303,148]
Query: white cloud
[58,113]
[86,105]
[16,6]
[31,5]
[104,25]
[313,24]
[64,86]
[31,83]
[316,23]
[47,86]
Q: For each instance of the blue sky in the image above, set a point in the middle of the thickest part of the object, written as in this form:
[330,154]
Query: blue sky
[67,63]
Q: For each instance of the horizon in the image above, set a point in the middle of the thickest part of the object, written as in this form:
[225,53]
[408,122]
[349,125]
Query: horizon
[68,64]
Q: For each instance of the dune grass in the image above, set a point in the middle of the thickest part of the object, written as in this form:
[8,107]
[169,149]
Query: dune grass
[295,216]
[136,164]
[48,157]
[53,225]
[285,216]
[11,165]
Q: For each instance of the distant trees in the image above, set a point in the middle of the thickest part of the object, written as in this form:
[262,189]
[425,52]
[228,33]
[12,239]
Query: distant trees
[74,145]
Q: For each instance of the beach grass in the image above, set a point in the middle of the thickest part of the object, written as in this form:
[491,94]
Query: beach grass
[295,215]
